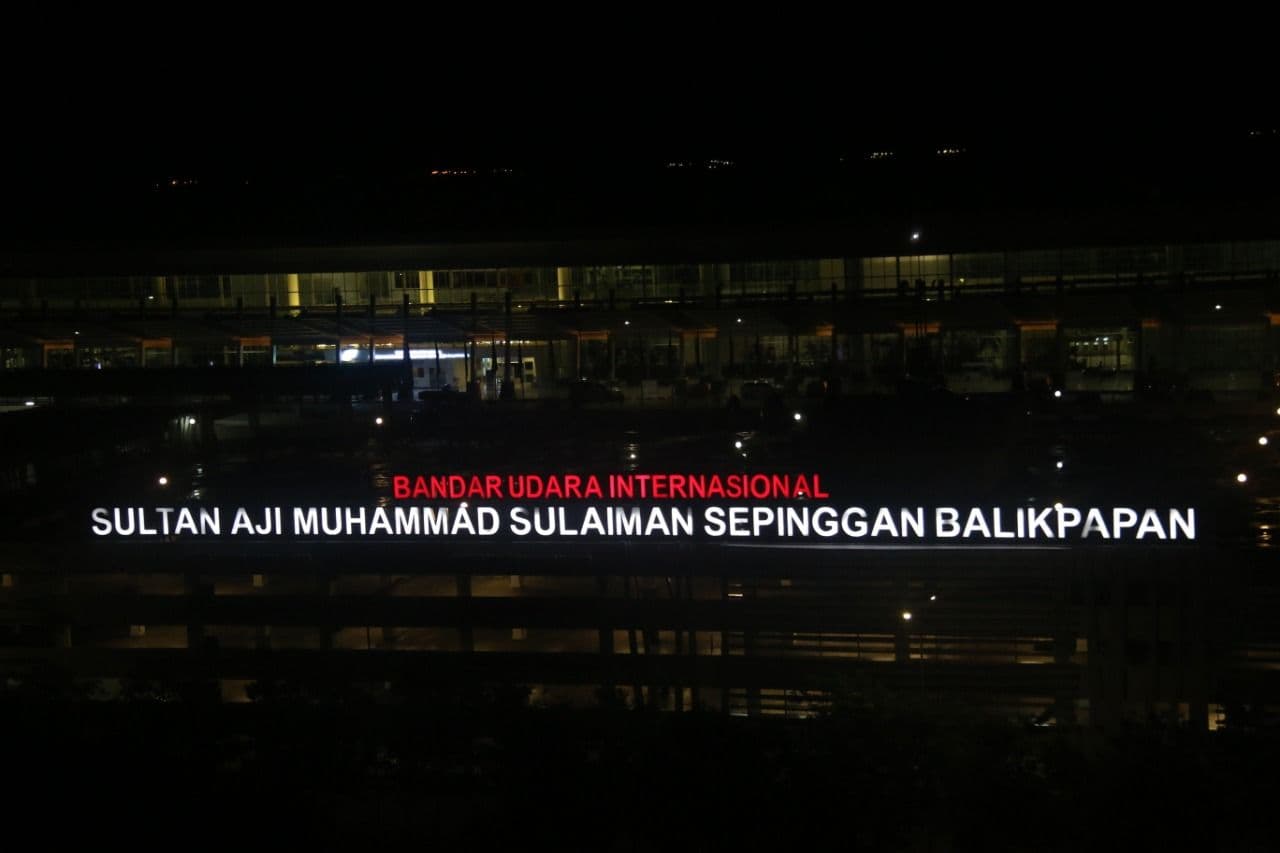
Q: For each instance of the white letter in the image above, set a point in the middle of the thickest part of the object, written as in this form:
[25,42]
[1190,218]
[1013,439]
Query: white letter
[519,521]
[1094,521]
[1068,516]
[1123,518]
[946,522]
[1151,524]
[976,523]
[1185,523]
[99,516]
[713,521]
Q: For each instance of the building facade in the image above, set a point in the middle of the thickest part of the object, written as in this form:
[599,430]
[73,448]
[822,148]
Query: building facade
[1129,375]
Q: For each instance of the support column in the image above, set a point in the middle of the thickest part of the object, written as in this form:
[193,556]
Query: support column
[508,391]
[426,287]
[239,331]
[564,284]
[271,327]
[337,315]
[293,293]
[404,325]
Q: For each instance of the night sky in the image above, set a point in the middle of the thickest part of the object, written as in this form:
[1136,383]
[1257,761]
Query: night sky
[191,137]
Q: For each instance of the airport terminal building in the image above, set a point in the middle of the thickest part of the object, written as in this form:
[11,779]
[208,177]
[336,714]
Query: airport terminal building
[1026,384]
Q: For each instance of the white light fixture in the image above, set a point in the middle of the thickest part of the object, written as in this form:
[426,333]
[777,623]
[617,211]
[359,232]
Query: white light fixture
[906,616]
[378,420]
[1242,477]
[1262,440]
[798,416]
[163,480]
[352,354]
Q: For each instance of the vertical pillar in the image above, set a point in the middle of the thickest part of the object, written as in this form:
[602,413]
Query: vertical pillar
[564,284]
[520,361]
[293,293]
[173,329]
[508,390]
[271,326]
[473,384]
[337,325]
[426,287]
[491,381]
[404,325]
[239,331]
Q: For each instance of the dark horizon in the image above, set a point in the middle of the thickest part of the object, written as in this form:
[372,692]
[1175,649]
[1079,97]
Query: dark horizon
[393,189]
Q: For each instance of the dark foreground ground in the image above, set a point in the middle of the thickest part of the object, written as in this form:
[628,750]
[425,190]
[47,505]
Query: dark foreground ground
[483,771]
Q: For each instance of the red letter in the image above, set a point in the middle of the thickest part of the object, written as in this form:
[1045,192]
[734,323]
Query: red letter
[817,488]
[400,486]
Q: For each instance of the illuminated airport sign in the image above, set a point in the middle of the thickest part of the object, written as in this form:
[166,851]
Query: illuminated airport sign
[707,507]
